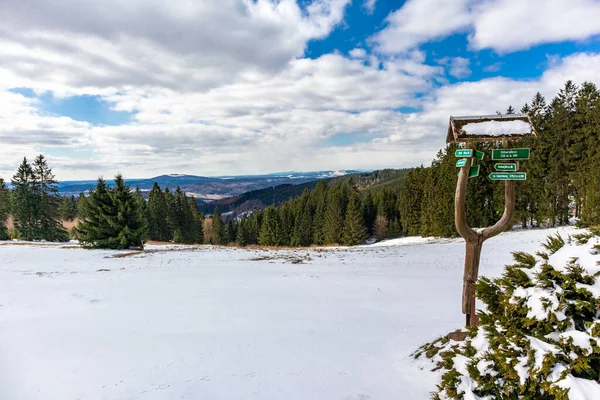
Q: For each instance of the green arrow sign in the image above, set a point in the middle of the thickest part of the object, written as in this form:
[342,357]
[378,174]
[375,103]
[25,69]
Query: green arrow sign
[510,154]
[508,176]
[507,167]
[462,162]
[464,153]
[479,155]
[473,171]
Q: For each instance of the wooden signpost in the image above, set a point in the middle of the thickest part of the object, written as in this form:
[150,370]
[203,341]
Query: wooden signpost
[466,130]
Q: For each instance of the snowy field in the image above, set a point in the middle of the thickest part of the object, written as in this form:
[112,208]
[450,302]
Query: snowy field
[216,323]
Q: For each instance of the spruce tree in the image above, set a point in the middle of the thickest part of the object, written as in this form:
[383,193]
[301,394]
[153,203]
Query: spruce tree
[197,222]
[270,231]
[45,188]
[354,228]
[4,209]
[219,235]
[81,206]
[94,229]
[24,204]
[159,228]
[129,219]
[334,216]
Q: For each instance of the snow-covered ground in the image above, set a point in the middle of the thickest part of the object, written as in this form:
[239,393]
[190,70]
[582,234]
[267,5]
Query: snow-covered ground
[216,323]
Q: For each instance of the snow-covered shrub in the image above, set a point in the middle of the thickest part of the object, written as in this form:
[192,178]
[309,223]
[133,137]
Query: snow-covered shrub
[539,337]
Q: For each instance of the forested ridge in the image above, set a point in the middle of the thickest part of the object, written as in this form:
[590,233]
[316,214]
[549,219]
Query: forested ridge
[563,181]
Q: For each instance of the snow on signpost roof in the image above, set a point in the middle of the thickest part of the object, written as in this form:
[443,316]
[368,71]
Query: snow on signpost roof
[489,128]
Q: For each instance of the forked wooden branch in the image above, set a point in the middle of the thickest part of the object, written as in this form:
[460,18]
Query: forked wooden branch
[474,238]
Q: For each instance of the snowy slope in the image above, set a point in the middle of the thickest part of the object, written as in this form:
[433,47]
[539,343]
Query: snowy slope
[215,323]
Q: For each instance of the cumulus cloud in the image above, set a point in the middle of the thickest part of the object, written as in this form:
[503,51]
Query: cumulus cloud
[501,25]
[93,46]
[420,21]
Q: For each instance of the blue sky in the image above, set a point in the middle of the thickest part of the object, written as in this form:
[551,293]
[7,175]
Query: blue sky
[238,87]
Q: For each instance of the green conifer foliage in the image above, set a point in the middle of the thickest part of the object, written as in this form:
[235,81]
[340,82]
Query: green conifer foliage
[219,235]
[270,231]
[410,200]
[159,228]
[541,324]
[45,190]
[114,218]
[24,204]
[4,209]
[354,229]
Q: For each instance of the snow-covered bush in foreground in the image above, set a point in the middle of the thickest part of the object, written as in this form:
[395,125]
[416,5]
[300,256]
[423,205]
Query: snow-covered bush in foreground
[539,337]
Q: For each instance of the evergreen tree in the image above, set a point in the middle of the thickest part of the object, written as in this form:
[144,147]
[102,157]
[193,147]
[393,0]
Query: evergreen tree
[81,205]
[4,209]
[231,231]
[159,228]
[24,204]
[219,235]
[369,212]
[334,216]
[354,228]
[197,233]
[410,201]
[129,219]
[114,218]
[270,231]
[94,230]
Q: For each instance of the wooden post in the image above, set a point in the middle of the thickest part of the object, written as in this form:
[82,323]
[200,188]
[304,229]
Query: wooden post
[474,238]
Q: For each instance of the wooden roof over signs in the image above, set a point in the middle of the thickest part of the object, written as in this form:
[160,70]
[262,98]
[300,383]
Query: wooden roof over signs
[457,134]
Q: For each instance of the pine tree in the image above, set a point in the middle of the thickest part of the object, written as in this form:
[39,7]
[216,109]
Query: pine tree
[270,229]
[231,231]
[410,201]
[219,235]
[114,218]
[369,212]
[354,228]
[334,216]
[129,220]
[94,229]
[81,205]
[24,205]
[4,209]
[197,234]
[159,228]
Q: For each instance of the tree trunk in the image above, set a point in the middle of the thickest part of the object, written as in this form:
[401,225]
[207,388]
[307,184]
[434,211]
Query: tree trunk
[472,257]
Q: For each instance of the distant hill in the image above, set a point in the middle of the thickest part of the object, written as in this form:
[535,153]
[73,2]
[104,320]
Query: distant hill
[275,195]
[207,189]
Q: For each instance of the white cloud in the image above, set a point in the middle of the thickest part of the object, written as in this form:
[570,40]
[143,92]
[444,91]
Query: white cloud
[458,67]
[369,5]
[420,21]
[509,25]
[101,45]
[501,25]
[357,53]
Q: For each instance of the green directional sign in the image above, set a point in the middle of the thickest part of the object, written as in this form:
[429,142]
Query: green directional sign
[508,176]
[479,155]
[473,171]
[510,154]
[506,167]
[464,153]
[462,162]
